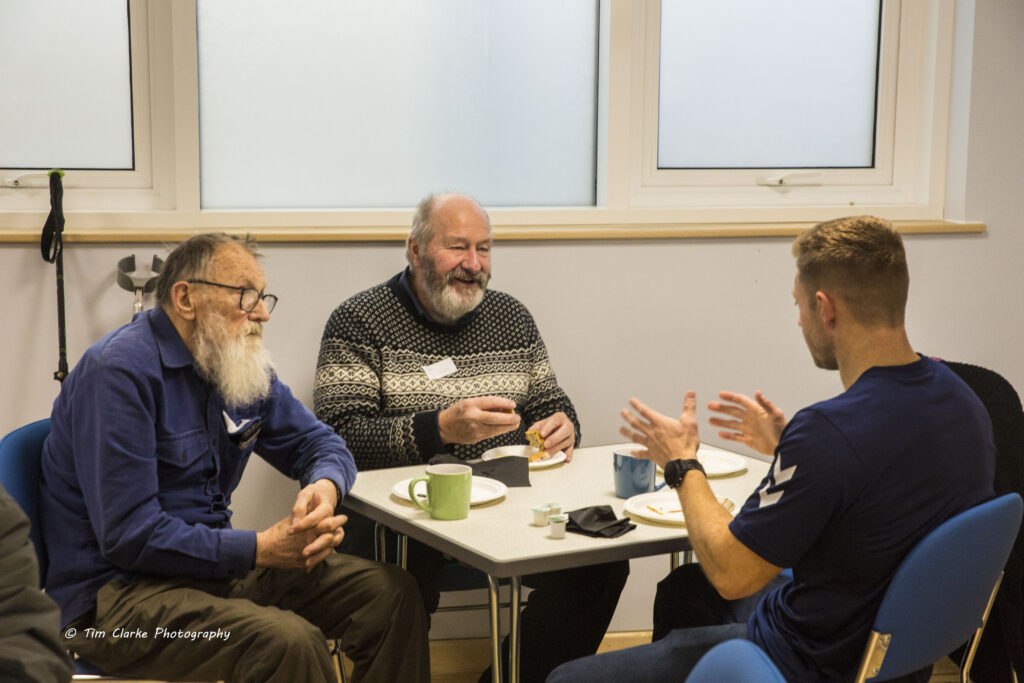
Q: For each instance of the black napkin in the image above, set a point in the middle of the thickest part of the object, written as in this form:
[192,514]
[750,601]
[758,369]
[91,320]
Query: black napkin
[598,521]
[511,471]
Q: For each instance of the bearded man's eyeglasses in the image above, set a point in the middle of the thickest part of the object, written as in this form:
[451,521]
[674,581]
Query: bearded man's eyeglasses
[248,298]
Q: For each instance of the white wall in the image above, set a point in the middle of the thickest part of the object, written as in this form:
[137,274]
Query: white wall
[649,319]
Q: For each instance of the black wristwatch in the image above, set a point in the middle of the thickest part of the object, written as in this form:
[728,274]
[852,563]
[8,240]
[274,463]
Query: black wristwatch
[675,471]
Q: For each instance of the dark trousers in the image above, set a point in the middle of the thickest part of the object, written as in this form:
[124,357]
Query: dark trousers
[271,625]
[581,600]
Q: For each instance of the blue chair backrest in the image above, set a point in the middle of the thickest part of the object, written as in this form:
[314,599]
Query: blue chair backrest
[735,661]
[20,457]
[937,598]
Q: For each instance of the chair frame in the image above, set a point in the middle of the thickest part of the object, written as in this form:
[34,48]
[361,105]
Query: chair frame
[878,646]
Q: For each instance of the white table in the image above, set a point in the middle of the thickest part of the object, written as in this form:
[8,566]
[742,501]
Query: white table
[499,538]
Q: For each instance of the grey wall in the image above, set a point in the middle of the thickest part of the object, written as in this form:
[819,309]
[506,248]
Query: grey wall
[649,319]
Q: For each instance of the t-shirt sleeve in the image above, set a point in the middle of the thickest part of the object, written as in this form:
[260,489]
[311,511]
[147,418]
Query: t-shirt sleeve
[803,490]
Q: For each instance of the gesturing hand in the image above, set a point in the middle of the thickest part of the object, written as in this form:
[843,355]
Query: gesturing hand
[756,423]
[475,419]
[664,438]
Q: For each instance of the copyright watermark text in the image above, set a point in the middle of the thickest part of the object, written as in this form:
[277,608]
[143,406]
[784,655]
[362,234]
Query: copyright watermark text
[160,632]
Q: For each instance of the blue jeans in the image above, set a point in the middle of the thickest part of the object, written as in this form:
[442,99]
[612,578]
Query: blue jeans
[669,659]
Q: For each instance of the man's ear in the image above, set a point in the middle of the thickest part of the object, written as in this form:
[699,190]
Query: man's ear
[182,300]
[413,248]
[826,308]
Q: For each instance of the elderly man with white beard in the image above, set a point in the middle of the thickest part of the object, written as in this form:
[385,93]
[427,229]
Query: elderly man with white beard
[433,362]
[150,435]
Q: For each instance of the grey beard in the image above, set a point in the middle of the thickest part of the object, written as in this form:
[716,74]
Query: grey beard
[239,367]
[447,305]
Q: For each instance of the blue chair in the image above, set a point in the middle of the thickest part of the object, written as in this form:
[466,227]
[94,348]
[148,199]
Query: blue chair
[941,594]
[736,661]
[20,472]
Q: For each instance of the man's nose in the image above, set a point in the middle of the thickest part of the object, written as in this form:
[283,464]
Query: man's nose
[471,262]
[260,314]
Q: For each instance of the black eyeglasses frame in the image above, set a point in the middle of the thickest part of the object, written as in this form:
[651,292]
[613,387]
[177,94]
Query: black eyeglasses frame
[269,300]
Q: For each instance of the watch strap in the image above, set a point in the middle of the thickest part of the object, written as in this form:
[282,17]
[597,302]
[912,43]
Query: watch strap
[675,471]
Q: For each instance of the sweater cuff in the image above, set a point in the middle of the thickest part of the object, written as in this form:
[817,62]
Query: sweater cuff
[426,431]
[237,553]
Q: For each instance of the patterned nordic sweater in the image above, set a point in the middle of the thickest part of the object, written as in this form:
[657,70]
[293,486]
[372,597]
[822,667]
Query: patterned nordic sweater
[371,387]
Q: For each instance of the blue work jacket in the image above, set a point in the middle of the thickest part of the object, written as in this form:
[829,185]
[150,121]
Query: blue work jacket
[142,459]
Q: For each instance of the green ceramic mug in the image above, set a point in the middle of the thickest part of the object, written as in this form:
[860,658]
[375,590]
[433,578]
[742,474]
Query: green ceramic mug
[448,489]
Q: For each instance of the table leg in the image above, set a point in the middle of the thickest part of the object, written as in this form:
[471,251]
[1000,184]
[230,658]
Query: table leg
[495,618]
[379,539]
[515,594]
[673,562]
[403,550]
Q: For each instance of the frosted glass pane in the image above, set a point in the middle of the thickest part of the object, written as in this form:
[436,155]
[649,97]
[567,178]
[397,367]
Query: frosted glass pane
[752,84]
[325,104]
[65,79]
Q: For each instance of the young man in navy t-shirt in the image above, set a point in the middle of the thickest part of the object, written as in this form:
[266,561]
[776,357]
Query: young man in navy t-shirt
[857,480]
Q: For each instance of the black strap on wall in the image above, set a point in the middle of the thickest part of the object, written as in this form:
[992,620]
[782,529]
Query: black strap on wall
[52,247]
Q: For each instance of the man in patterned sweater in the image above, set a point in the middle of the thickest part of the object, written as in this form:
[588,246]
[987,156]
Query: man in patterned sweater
[430,362]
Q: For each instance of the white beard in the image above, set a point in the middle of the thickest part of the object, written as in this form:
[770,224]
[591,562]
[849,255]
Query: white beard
[447,304]
[238,366]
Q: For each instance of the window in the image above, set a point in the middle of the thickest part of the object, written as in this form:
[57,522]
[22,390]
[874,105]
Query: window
[901,175]
[570,118]
[767,85]
[92,96]
[67,85]
[358,105]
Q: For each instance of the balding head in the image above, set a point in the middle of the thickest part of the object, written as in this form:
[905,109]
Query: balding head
[438,212]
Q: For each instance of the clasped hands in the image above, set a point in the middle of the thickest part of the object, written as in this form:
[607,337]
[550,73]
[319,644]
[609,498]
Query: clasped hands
[474,419]
[755,422]
[308,535]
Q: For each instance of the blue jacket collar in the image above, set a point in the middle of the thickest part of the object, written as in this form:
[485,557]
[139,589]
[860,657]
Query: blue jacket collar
[173,352]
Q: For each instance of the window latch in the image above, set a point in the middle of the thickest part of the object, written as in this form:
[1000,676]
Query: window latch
[794,178]
[22,180]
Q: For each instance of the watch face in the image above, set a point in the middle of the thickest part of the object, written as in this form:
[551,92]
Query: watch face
[674,473]
[676,470]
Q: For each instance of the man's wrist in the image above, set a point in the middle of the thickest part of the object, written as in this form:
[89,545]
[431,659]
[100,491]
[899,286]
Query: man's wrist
[676,470]
[330,484]
[441,424]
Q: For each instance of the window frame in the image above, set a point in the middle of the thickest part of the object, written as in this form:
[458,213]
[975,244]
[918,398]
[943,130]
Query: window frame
[160,200]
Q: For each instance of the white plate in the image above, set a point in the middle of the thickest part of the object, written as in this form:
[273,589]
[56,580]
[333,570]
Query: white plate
[484,490]
[523,452]
[719,463]
[662,506]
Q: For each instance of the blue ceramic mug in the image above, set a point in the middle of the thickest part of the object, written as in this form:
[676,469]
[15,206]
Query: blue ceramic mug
[633,476]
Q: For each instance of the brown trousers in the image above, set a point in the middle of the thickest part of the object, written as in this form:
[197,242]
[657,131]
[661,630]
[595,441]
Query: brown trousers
[271,625]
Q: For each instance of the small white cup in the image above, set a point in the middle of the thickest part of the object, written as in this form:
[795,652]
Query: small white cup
[540,515]
[556,525]
[554,508]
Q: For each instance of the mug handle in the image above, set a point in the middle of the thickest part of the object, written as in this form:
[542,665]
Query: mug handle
[412,493]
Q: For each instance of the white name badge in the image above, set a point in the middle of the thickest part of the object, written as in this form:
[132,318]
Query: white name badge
[440,369]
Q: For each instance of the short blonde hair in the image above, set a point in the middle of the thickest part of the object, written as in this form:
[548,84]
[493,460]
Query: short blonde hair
[861,260]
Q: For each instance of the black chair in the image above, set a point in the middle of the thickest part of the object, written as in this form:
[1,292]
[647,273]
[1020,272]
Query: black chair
[1001,651]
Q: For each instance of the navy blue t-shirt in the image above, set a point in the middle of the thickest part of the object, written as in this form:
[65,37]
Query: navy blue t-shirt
[856,482]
